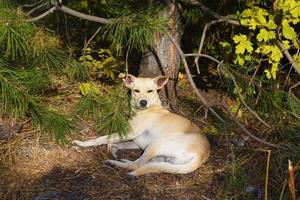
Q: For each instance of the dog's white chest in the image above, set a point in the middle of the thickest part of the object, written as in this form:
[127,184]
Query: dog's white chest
[144,139]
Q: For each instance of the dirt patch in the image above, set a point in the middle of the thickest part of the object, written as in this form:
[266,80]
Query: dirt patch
[42,170]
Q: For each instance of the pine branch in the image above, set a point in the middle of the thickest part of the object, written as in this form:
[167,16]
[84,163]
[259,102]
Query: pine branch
[108,109]
[72,12]
[16,100]
[34,19]
[82,15]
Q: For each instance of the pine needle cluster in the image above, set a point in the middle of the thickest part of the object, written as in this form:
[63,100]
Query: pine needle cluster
[135,30]
[109,108]
[27,55]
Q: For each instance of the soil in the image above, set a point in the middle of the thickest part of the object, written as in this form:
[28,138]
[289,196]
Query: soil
[44,170]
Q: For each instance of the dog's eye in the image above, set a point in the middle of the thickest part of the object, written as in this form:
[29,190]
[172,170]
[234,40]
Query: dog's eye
[149,91]
[137,91]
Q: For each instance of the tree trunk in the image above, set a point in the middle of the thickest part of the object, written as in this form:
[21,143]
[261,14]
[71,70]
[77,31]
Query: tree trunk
[164,58]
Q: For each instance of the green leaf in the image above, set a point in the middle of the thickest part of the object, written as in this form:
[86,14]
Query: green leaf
[240,60]
[271,24]
[89,57]
[265,35]
[260,16]
[288,32]
[268,74]
[286,44]
[243,44]
[88,88]
[276,54]
[225,44]
[295,10]
[274,70]
[265,49]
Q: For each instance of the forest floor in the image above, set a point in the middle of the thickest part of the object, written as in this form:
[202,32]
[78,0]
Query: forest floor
[33,166]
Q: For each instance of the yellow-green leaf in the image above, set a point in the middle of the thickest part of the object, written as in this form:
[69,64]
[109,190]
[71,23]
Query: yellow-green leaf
[268,74]
[265,35]
[239,60]
[288,31]
[286,44]
[260,16]
[271,24]
[89,57]
[295,11]
[243,44]
[274,70]
[224,44]
[87,88]
[276,54]
[296,58]
[81,58]
[266,49]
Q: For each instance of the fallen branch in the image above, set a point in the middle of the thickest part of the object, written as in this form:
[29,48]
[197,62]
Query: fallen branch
[202,99]
[242,99]
[289,57]
[207,25]
[187,70]
[235,84]
[243,128]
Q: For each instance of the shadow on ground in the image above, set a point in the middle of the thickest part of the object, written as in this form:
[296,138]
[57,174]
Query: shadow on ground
[82,175]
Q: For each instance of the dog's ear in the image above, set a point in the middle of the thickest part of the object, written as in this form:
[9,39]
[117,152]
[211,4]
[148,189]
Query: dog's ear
[161,81]
[128,80]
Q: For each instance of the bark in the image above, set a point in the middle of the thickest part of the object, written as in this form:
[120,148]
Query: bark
[164,59]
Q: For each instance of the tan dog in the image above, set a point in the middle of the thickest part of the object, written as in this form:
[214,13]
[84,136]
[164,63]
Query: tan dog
[171,143]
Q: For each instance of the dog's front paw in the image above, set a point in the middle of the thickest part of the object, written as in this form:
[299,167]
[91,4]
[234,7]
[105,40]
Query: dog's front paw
[113,150]
[110,163]
[131,178]
[78,143]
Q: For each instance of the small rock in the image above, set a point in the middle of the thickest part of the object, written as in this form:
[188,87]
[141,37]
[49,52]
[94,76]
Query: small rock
[250,189]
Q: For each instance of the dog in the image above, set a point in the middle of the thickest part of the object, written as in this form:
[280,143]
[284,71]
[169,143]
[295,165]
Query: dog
[171,143]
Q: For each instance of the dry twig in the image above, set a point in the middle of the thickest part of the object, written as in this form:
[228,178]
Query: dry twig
[267,174]
[291,180]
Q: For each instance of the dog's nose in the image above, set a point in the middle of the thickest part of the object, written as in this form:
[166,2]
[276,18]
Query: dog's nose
[143,103]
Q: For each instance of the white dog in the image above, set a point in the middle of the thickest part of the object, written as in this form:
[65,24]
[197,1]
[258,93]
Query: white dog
[171,143]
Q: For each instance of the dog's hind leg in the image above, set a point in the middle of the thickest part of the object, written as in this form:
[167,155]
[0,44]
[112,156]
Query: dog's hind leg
[126,164]
[157,167]
[132,165]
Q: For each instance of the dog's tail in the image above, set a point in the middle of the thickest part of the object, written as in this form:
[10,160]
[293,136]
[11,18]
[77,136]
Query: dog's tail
[157,167]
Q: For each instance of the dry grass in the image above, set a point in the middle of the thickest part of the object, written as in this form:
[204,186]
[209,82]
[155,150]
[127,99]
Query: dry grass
[37,168]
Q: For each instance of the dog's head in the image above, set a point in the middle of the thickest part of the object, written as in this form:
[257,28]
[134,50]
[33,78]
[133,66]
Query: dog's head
[144,90]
